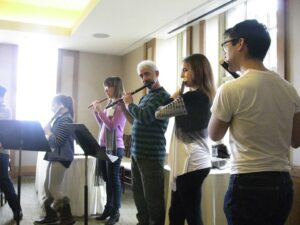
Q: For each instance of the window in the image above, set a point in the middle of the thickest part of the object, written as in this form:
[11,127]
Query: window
[36,81]
[264,12]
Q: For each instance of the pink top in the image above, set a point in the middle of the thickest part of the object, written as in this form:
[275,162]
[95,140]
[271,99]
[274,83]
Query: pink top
[117,122]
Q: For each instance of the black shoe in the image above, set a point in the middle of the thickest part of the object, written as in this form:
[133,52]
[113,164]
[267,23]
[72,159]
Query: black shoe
[46,220]
[20,216]
[113,219]
[106,213]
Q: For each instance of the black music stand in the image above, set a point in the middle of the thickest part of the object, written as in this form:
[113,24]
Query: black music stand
[22,136]
[91,148]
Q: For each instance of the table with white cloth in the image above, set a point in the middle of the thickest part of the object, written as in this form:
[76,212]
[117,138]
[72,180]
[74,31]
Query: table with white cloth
[73,185]
[213,191]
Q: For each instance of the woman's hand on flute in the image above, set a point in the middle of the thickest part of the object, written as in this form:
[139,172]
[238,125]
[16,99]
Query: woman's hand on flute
[96,105]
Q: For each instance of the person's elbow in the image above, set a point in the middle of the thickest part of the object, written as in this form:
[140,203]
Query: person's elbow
[217,129]
[214,136]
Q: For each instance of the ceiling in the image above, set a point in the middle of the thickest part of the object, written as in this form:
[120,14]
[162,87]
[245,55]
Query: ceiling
[71,24]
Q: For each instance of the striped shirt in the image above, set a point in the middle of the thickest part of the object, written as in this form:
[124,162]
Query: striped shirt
[148,140]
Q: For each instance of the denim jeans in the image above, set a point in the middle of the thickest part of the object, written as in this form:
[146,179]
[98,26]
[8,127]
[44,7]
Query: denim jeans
[6,184]
[113,182]
[148,190]
[186,200]
[262,198]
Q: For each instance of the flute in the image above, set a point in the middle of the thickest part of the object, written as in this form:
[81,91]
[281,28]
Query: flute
[48,125]
[182,87]
[133,92]
[97,102]
[225,66]
[56,114]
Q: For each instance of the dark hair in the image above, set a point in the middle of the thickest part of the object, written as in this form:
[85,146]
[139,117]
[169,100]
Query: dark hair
[256,37]
[66,101]
[2,91]
[116,83]
[202,74]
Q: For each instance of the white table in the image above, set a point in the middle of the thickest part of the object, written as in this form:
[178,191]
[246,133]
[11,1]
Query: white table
[73,185]
[213,192]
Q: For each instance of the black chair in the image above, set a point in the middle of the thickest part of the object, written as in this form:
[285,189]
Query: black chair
[125,168]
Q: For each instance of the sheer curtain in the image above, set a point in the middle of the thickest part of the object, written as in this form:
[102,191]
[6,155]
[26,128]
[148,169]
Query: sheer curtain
[36,86]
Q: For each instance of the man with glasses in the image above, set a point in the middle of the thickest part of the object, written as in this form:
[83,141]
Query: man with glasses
[262,112]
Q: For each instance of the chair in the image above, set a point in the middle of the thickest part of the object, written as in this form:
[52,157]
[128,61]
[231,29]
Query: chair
[125,168]
[2,198]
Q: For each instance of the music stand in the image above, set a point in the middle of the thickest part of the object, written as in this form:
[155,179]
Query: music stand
[91,148]
[22,136]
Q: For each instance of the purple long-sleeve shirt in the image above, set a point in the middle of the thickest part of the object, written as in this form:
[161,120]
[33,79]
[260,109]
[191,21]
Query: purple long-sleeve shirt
[117,122]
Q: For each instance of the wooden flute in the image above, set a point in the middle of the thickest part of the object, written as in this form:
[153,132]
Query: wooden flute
[97,102]
[133,92]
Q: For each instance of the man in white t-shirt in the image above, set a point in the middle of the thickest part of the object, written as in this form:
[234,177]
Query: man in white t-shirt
[262,112]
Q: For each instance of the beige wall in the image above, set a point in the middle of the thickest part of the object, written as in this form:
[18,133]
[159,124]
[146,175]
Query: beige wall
[131,80]
[93,70]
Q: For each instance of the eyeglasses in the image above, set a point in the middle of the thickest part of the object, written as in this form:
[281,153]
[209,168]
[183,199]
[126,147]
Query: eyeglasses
[225,46]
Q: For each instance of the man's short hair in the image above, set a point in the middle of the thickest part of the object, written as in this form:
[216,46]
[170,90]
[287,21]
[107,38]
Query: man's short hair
[256,36]
[146,64]
[2,91]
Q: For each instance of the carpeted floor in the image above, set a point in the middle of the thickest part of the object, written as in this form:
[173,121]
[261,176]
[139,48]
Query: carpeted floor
[32,210]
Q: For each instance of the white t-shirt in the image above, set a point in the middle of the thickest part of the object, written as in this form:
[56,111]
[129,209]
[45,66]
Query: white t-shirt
[260,106]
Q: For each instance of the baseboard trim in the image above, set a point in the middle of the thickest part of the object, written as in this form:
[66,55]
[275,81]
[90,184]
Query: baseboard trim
[25,171]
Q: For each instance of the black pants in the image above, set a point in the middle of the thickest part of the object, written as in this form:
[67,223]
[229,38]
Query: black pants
[7,186]
[186,200]
[262,198]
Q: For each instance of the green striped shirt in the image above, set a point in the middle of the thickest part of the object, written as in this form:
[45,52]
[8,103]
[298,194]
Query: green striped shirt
[148,134]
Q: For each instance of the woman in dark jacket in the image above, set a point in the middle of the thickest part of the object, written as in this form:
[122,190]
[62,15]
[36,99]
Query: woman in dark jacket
[61,156]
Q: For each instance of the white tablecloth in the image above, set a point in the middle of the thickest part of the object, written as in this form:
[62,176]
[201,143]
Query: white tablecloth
[73,185]
[213,191]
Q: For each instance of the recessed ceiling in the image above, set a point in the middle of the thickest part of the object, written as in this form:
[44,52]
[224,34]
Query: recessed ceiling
[71,24]
[51,16]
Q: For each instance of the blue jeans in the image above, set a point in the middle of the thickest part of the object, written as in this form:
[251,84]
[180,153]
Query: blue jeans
[148,190]
[263,198]
[7,186]
[186,200]
[113,182]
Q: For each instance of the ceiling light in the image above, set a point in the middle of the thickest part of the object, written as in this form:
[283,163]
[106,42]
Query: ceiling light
[101,35]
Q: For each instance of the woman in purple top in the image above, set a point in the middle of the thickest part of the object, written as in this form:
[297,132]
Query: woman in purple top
[112,122]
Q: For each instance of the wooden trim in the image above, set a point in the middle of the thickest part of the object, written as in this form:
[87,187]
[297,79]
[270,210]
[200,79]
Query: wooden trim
[202,25]
[75,83]
[150,46]
[25,170]
[282,39]
[75,55]
[189,40]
